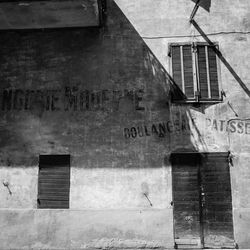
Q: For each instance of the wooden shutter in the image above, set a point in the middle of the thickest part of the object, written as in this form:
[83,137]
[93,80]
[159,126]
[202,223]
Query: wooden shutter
[182,66]
[188,71]
[205,60]
[208,73]
[54,181]
[176,65]
[217,201]
[202,67]
[213,73]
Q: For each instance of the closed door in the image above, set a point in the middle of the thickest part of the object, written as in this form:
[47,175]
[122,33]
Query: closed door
[202,200]
[216,216]
[186,200]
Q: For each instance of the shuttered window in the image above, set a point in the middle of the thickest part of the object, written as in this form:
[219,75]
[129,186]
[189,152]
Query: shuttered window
[195,71]
[53,181]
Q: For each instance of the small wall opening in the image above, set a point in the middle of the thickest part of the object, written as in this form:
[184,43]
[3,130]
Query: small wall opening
[53,181]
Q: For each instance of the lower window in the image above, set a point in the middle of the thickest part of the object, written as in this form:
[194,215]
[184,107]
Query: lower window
[53,181]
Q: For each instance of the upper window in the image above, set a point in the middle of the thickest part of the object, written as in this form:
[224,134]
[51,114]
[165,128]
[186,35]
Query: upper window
[195,71]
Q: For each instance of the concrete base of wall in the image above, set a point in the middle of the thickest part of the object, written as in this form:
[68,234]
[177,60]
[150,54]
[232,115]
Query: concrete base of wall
[241,227]
[83,229]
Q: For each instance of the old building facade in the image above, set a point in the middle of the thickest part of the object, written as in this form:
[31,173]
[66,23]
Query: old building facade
[133,134]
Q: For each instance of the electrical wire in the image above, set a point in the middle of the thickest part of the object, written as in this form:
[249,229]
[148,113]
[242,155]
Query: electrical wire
[190,36]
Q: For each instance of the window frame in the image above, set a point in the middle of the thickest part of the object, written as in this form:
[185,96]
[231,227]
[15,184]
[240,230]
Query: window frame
[197,98]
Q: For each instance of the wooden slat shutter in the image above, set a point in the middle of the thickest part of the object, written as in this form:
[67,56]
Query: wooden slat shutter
[176,65]
[188,71]
[182,66]
[217,201]
[213,73]
[208,72]
[185,62]
[54,181]
[202,67]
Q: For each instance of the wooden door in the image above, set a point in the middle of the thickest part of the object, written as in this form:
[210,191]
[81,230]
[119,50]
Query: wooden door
[186,200]
[217,216]
[202,200]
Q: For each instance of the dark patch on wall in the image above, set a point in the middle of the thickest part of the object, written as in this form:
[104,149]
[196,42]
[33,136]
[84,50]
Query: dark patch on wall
[51,79]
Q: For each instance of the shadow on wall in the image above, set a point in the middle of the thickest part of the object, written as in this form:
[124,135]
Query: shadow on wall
[179,115]
[118,113]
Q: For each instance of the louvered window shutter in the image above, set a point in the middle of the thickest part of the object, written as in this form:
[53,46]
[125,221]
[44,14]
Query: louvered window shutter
[196,71]
[188,71]
[54,181]
[213,73]
[202,66]
[182,67]
[208,73]
[176,65]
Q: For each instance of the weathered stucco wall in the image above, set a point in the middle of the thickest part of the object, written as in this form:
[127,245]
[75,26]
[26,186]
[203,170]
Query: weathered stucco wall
[163,22]
[101,96]
[79,229]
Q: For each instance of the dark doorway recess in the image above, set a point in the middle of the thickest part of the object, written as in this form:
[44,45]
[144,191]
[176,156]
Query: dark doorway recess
[202,200]
[53,181]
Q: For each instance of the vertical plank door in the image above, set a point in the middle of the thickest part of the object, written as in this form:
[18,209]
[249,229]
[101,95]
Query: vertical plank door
[186,200]
[217,201]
